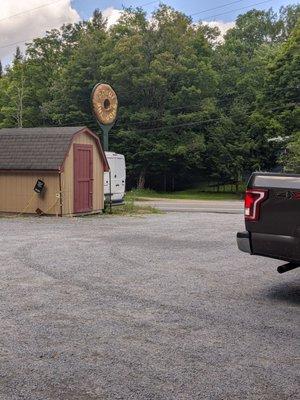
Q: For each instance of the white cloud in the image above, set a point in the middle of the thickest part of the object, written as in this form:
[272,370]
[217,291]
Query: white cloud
[223,26]
[30,24]
[112,15]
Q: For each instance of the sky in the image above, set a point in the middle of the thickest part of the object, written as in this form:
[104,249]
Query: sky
[21,21]
[189,7]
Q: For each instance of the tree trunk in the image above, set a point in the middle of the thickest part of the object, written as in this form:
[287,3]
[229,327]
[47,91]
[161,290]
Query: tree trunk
[173,183]
[20,101]
[141,179]
[165,182]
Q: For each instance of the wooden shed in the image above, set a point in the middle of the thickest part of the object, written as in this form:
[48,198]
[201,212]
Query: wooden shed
[69,162]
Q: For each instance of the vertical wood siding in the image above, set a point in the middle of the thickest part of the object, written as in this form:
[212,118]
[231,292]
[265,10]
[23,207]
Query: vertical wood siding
[16,191]
[67,177]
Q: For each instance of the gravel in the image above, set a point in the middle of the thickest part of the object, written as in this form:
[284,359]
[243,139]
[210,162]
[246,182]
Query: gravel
[157,307]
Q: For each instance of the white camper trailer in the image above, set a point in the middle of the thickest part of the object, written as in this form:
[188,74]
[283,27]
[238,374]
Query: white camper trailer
[118,178]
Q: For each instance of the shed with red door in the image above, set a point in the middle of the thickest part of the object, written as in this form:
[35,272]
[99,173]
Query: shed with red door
[52,171]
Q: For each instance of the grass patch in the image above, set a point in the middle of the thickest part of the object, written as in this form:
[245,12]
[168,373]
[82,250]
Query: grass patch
[129,208]
[190,194]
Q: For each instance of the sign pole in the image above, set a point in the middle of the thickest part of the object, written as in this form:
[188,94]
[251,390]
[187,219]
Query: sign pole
[105,138]
[105,131]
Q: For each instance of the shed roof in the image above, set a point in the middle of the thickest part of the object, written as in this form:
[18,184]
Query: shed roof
[39,148]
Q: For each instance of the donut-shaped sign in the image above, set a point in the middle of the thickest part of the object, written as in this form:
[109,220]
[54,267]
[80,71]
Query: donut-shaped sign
[105,104]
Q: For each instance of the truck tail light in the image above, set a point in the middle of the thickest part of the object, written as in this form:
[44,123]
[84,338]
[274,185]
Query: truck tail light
[253,200]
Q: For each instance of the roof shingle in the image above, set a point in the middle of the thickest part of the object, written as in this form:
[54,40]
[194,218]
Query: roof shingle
[35,148]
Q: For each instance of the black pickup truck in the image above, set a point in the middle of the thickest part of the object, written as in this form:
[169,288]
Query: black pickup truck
[272,218]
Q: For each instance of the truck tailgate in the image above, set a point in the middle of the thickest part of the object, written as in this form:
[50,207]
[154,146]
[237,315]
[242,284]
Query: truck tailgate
[277,231]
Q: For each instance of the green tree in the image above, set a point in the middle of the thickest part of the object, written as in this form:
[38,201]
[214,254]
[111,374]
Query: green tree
[243,62]
[292,158]
[163,73]
[70,92]
[282,86]
[192,106]
[14,93]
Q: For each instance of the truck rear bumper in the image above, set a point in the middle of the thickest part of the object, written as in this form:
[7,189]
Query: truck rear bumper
[243,242]
[280,247]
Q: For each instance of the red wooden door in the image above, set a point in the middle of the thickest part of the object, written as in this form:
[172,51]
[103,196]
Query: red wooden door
[83,178]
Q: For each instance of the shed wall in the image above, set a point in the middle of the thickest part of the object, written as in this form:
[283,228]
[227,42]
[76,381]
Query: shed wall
[17,194]
[67,177]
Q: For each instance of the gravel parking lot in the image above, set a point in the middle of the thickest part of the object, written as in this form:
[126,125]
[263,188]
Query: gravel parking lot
[157,307]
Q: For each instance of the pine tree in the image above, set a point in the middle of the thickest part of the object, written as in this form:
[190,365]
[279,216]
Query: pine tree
[18,57]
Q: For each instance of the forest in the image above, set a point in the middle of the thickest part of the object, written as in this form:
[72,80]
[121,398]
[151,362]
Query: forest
[194,106]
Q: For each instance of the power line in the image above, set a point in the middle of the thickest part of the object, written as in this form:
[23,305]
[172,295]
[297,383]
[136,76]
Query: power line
[46,5]
[185,124]
[29,10]
[13,44]
[215,8]
[211,16]
[57,1]
[218,101]
[172,126]
[188,124]
[147,4]
[54,2]
[22,41]
[149,129]
[239,9]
